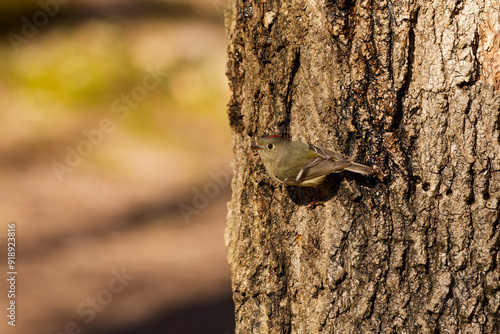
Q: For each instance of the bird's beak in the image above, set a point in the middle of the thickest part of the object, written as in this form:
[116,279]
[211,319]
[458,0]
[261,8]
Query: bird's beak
[256,147]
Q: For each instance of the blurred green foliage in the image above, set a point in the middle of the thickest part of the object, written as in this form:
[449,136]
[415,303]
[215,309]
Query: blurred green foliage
[74,73]
[83,69]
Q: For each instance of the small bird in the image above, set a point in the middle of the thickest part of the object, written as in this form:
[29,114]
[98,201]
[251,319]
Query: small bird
[298,164]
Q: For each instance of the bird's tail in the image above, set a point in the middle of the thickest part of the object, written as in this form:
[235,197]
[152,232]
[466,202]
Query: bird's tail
[359,168]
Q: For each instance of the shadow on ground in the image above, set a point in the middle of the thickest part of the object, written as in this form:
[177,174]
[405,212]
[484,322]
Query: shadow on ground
[210,317]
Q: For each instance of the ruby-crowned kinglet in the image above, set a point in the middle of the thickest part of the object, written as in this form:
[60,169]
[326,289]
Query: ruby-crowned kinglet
[304,165]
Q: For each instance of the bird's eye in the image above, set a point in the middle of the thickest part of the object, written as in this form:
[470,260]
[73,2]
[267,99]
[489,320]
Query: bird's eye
[270,146]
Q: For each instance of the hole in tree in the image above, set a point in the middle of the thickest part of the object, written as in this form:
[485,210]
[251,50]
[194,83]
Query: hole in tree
[486,195]
[470,199]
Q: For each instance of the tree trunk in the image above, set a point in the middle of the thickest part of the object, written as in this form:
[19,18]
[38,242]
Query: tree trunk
[411,87]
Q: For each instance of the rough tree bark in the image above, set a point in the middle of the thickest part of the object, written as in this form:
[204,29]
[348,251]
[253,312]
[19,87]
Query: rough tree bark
[412,87]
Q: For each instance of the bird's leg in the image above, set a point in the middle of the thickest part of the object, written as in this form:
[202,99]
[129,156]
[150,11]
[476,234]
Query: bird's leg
[313,203]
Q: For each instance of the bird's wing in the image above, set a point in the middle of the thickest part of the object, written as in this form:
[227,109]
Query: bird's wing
[321,163]
[318,166]
[327,154]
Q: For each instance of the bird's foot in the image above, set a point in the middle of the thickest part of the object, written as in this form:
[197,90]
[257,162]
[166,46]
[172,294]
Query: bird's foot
[314,204]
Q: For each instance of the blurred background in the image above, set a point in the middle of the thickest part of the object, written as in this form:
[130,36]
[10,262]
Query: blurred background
[114,165]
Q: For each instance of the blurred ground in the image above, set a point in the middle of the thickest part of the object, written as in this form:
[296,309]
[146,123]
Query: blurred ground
[113,115]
